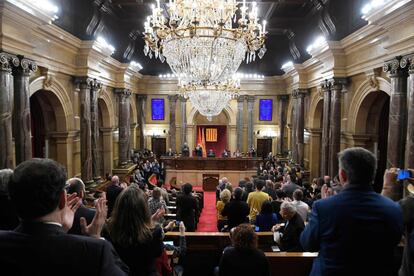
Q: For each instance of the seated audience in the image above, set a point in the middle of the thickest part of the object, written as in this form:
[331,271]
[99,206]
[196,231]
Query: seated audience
[256,199]
[269,189]
[289,232]
[164,193]
[77,186]
[187,207]
[131,230]
[236,210]
[40,245]
[301,207]
[354,224]
[266,218]
[225,153]
[8,216]
[243,257]
[169,152]
[225,197]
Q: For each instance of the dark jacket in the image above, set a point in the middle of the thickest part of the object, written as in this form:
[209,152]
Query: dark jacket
[236,212]
[8,216]
[243,262]
[356,228]
[45,249]
[84,212]
[187,208]
[291,234]
[141,258]
[112,192]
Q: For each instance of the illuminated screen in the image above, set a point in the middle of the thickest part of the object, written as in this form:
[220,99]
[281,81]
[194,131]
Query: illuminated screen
[265,109]
[157,109]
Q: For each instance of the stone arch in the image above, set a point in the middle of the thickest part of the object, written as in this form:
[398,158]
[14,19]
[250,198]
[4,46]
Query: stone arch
[106,124]
[228,111]
[316,110]
[357,101]
[61,103]
[107,108]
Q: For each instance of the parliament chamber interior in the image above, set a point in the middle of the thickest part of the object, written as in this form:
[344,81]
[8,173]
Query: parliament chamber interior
[207,137]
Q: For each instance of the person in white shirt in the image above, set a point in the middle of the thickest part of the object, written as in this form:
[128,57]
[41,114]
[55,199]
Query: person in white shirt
[301,207]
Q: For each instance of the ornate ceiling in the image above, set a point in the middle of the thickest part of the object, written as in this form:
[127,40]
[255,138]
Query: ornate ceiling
[292,26]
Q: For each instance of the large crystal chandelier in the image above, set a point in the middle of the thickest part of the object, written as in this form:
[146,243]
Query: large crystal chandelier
[204,41]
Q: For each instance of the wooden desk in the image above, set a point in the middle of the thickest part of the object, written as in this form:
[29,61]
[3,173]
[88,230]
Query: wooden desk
[290,263]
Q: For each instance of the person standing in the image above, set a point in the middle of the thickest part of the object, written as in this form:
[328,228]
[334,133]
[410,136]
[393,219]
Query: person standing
[255,200]
[187,207]
[348,227]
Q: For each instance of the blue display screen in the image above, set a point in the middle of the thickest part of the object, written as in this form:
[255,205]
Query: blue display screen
[265,109]
[157,109]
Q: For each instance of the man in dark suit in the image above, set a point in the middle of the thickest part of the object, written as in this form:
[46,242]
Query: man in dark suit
[187,207]
[112,192]
[40,245]
[290,231]
[77,186]
[357,230]
[185,150]
[211,153]
[199,151]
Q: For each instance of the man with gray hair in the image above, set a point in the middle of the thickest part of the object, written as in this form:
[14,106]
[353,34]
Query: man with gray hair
[356,223]
[76,185]
[8,216]
[289,232]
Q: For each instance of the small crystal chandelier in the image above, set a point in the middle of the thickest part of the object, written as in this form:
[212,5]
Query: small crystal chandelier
[211,100]
[204,42]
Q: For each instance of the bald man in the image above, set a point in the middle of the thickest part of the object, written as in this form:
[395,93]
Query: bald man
[112,192]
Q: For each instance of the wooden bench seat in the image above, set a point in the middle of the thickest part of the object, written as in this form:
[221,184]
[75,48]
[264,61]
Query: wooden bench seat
[290,263]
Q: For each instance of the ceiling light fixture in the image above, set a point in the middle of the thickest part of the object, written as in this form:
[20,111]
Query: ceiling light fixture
[136,65]
[102,41]
[319,41]
[287,65]
[204,42]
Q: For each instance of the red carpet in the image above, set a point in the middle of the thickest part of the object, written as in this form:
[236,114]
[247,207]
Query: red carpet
[208,217]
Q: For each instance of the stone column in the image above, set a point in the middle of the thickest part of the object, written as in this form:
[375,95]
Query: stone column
[408,62]
[282,123]
[294,128]
[183,106]
[397,131]
[84,85]
[335,124]
[326,86]
[173,106]
[96,158]
[142,100]
[300,122]
[123,125]
[250,106]
[239,123]
[7,62]
[21,111]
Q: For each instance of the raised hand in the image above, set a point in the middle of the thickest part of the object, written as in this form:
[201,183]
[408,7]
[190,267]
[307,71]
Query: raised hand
[72,204]
[94,229]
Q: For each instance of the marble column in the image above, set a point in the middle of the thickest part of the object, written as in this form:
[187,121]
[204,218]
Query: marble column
[123,125]
[183,107]
[7,62]
[300,122]
[294,128]
[142,101]
[96,158]
[282,123]
[397,131]
[408,62]
[21,111]
[172,99]
[250,107]
[326,90]
[337,85]
[239,123]
[84,85]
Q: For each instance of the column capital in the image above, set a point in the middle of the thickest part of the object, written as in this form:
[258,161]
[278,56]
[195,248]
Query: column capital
[173,98]
[95,84]
[83,82]
[394,67]
[141,97]
[250,98]
[26,66]
[182,98]
[123,92]
[408,62]
[240,99]
[283,97]
[300,93]
[8,61]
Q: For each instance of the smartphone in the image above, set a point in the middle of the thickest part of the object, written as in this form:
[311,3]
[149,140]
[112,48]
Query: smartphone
[257,229]
[169,242]
[403,175]
[275,248]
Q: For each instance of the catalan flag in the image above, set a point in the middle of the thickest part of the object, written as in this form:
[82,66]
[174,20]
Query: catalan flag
[211,134]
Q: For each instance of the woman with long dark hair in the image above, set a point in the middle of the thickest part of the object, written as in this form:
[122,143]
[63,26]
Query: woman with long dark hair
[131,230]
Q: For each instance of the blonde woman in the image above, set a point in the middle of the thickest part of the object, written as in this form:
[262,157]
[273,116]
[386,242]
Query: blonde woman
[225,197]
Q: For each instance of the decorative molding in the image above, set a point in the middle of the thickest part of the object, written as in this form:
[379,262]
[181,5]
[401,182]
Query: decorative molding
[394,68]
[8,61]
